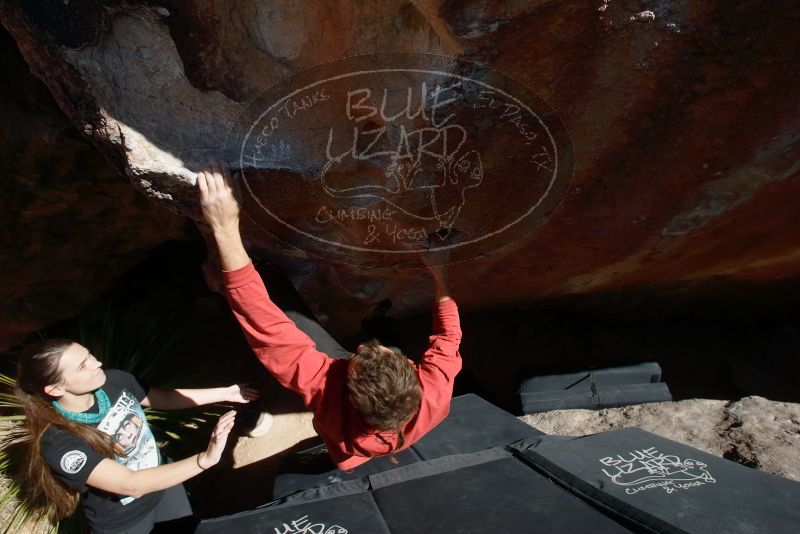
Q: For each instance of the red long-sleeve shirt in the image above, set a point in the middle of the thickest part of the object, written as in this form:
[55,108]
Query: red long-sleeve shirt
[292,357]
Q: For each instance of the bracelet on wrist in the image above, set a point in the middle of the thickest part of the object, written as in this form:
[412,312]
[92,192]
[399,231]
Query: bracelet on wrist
[197,459]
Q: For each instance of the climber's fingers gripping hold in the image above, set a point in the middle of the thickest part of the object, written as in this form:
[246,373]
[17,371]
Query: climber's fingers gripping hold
[217,197]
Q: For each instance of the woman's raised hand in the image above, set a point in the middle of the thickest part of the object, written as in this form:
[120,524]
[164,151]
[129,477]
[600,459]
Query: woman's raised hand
[219,438]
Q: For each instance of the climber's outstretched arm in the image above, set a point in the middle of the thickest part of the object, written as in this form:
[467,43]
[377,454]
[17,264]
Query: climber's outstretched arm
[221,211]
[435,261]
[289,354]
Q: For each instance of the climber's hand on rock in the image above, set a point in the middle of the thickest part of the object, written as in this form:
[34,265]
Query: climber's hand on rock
[434,260]
[434,253]
[436,250]
[220,205]
[218,198]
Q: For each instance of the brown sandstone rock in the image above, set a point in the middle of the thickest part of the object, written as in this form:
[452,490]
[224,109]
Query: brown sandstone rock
[683,118]
[71,224]
[753,431]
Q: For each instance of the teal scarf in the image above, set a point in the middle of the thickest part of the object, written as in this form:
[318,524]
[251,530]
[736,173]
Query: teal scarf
[103,404]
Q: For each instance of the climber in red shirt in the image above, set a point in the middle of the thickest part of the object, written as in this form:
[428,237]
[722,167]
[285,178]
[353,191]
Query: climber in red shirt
[367,404]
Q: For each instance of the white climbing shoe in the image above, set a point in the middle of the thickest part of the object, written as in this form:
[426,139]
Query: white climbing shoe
[262,426]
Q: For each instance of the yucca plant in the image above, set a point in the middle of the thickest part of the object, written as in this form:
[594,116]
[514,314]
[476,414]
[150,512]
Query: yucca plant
[147,351]
[12,440]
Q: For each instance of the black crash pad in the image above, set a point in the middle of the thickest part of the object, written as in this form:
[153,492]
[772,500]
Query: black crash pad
[347,507]
[486,491]
[472,425]
[595,388]
[293,479]
[595,398]
[663,486]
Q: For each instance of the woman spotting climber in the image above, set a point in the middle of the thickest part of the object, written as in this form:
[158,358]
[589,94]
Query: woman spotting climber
[90,440]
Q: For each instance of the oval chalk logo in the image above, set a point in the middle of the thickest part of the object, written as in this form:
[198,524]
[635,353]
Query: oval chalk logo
[73,461]
[366,159]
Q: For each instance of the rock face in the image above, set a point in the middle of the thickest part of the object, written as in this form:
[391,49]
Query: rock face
[683,120]
[753,431]
[72,225]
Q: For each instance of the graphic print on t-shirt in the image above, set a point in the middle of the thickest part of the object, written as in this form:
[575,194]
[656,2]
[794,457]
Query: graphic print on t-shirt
[126,423]
[73,461]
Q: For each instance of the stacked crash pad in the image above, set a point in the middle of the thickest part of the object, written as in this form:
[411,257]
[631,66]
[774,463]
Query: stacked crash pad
[594,388]
[462,478]
[441,485]
[487,491]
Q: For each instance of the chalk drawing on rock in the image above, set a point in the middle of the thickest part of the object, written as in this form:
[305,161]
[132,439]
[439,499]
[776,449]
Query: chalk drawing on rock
[361,160]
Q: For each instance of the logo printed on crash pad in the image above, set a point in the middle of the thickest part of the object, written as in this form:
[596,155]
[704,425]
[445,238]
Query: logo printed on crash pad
[303,525]
[646,469]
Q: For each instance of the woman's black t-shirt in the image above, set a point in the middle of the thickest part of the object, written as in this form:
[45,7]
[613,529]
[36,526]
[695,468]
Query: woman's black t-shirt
[72,459]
